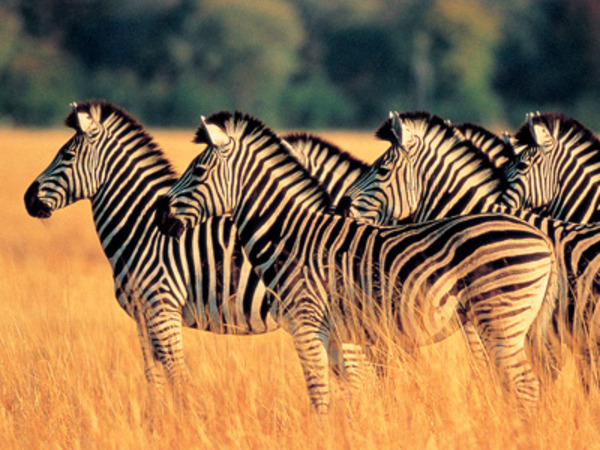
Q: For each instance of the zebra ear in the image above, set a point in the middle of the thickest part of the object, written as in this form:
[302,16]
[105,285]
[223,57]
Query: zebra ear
[405,134]
[396,127]
[211,134]
[86,123]
[540,133]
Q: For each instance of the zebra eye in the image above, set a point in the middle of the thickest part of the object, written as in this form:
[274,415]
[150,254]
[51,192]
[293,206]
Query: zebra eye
[68,155]
[383,171]
[199,170]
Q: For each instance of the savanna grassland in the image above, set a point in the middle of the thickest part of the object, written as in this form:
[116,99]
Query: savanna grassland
[71,369]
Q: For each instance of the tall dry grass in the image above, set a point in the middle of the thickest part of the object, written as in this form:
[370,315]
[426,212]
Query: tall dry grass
[71,370]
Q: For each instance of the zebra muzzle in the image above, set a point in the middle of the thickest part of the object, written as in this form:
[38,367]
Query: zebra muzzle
[35,207]
[343,207]
[166,223]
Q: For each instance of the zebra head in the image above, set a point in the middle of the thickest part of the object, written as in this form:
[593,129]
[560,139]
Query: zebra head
[73,174]
[529,173]
[202,191]
[388,190]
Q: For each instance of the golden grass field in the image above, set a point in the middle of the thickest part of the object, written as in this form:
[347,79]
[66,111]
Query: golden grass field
[71,369]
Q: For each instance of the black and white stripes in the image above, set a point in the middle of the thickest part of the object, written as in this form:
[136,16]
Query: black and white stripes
[557,168]
[203,280]
[422,281]
[438,157]
[331,282]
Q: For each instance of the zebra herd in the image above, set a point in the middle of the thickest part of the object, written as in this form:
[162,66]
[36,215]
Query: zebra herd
[453,226]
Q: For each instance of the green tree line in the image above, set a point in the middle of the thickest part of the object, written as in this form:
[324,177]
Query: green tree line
[300,63]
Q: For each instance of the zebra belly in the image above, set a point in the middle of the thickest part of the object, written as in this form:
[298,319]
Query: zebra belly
[422,286]
[225,295]
[369,306]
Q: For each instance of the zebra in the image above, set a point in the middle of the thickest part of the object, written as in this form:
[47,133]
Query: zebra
[336,277]
[449,179]
[203,280]
[557,168]
[333,167]
[424,178]
[498,150]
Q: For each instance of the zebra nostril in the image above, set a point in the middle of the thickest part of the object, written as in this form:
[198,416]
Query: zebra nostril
[162,211]
[31,196]
[34,206]
[343,207]
[175,228]
[166,223]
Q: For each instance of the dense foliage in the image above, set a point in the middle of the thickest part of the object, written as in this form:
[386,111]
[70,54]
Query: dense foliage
[300,63]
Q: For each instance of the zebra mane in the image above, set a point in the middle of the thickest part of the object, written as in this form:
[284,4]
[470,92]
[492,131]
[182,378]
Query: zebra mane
[104,110]
[331,149]
[386,133]
[252,127]
[472,131]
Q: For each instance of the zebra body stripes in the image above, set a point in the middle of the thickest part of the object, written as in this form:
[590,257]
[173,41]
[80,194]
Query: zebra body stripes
[557,168]
[336,277]
[433,153]
[497,150]
[424,178]
[203,280]
[335,169]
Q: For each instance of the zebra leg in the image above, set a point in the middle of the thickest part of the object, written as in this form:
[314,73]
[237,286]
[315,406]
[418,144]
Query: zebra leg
[311,343]
[587,367]
[587,363]
[153,369]
[350,363]
[507,349]
[476,347]
[164,331]
[545,355]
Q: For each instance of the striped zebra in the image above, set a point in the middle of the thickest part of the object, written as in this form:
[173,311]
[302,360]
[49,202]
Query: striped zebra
[422,176]
[498,150]
[557,168]
[203,280]
[335,169]
[450,179]
[337,278]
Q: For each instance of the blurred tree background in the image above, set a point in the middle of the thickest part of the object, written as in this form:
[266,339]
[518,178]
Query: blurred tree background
[301,63]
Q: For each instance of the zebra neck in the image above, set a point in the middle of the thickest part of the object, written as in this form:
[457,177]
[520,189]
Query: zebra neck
[442,172]
[123,208]
[574,187]
[273,211]
[334,169]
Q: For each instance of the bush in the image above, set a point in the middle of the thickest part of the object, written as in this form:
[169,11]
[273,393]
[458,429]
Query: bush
[316,103]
